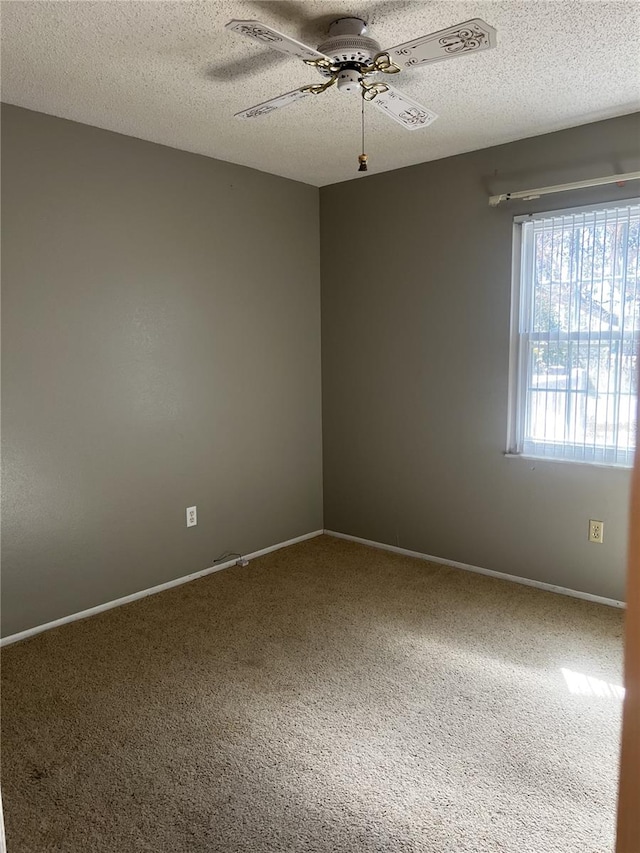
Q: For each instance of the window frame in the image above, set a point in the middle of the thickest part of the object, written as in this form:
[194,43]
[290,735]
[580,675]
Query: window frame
[519,340]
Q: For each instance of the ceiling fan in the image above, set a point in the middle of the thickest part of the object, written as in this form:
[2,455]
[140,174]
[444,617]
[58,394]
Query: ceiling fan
[353,61]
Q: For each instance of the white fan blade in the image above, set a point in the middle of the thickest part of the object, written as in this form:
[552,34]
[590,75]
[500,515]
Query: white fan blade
[403,109]
[275,39]
[458,40]
[274,104]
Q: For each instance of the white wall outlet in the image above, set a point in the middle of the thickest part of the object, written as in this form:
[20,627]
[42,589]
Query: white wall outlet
[596,531]
[192,516]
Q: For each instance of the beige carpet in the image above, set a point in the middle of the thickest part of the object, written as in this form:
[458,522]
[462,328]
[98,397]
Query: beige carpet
[327,698]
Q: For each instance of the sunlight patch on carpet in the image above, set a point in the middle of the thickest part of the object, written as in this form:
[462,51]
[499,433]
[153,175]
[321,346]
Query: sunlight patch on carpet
[586,685]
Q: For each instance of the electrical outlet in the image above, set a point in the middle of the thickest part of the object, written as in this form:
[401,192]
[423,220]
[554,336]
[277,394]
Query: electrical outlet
[596,531]
[192,516]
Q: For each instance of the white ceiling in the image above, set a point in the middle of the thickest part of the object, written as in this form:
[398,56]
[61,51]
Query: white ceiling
[171,73]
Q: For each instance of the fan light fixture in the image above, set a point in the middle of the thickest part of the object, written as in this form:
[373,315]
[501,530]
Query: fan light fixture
[351,60]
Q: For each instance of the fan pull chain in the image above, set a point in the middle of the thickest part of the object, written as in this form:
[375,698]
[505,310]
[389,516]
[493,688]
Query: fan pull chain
[362,159]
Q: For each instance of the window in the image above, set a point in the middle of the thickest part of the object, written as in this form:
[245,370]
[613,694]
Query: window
[575,335]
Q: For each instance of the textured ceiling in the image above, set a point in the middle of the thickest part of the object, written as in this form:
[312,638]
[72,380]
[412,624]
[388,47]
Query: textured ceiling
[171,73]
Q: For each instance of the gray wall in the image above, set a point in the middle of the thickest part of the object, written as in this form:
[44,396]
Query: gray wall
[415,340]
[161,348]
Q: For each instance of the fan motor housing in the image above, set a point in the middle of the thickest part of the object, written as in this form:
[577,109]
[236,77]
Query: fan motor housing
[348,45]
[360,49]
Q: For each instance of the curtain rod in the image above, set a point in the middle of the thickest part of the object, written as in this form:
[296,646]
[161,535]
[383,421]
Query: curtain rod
[495,200]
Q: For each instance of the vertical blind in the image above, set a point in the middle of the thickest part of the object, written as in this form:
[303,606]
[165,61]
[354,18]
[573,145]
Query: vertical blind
[578,335]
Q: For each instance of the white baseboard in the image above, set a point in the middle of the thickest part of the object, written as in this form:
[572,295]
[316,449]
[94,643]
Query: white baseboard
[549,587]
[100,608]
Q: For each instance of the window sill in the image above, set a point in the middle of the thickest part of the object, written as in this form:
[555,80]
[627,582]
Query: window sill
[624,468]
